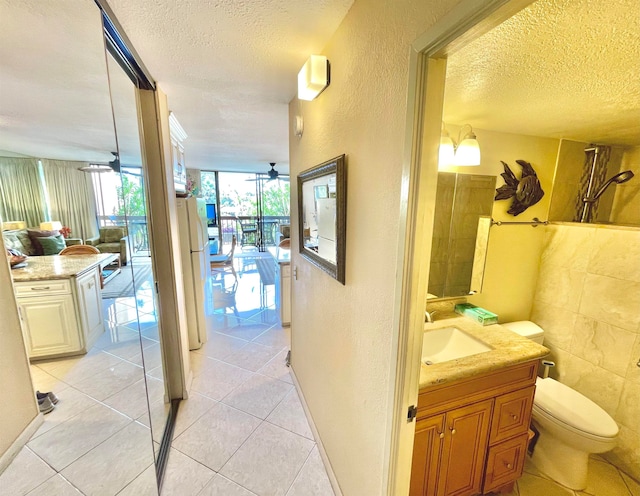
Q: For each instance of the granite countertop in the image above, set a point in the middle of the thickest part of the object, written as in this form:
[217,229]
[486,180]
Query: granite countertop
[57,267]
[509,349]
[282,255]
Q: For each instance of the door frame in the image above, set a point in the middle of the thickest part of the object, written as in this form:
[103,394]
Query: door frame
[467,21]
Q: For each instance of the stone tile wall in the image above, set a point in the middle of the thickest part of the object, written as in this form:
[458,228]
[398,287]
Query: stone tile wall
[587,300]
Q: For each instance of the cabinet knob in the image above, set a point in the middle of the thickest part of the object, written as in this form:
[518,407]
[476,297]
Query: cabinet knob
[514,416]
[441,435]
[508,465]
[453,431]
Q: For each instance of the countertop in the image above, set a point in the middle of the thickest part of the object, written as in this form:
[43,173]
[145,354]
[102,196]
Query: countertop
[282,255]
[57,267]
[509,349]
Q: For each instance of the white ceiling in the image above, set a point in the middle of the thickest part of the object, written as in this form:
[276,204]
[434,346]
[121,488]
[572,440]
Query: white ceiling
[559,68]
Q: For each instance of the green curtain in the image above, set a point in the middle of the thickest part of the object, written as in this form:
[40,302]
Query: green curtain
[71,197]
[21,194]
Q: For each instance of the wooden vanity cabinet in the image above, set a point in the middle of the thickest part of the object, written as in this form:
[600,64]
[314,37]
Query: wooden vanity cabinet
[471,435]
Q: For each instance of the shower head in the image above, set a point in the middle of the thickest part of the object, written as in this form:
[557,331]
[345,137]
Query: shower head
[621,177]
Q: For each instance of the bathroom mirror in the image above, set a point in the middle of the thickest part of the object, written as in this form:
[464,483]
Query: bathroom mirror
[460,234]
[322,214]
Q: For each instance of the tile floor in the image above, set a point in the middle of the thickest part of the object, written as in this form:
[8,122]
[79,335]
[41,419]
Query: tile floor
[242,432]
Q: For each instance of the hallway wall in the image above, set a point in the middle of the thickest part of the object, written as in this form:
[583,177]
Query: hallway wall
[342,335]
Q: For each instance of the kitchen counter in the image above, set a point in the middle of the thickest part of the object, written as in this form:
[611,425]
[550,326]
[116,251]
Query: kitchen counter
[281,255]
[50,267]
[509,348]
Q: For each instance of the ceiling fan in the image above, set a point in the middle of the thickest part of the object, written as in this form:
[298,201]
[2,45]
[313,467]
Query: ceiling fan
[272,173]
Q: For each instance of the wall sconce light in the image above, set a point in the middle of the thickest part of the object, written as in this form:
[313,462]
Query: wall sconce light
[464,152]
[54,225]
[313,78]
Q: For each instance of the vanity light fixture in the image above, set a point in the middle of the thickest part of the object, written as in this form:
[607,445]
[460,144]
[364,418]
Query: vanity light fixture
[53,225]
[313,78]
[463,152]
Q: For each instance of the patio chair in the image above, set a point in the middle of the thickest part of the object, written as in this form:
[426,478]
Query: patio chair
[222,260]
[249,232]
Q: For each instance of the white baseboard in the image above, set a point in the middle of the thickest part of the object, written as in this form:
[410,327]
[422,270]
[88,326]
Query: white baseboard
[13,450]
[323,454]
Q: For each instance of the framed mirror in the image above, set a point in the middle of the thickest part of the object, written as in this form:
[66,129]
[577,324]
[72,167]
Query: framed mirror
[460,234]
[322,216]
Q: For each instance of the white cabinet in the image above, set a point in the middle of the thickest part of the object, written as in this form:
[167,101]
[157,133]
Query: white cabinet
[62,316]
[49,321]
[283,292]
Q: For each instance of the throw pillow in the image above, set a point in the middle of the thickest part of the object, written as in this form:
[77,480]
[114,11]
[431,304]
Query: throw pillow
[52,245]
[113,235]
[35,235]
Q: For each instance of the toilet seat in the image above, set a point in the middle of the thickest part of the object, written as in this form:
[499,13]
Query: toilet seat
[563,405]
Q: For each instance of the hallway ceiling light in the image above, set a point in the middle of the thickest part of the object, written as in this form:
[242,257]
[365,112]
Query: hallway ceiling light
[95,168]
[463,152]
[313,78]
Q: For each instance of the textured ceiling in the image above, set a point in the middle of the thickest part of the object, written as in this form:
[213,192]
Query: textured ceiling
[559,68]
[228,67]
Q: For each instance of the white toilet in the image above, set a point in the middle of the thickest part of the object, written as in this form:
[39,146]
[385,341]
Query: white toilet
[571,426]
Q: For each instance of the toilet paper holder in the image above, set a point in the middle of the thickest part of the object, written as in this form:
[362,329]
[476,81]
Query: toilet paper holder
[547,365]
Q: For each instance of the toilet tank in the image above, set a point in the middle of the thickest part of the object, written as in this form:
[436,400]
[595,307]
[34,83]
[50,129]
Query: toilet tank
[526,329]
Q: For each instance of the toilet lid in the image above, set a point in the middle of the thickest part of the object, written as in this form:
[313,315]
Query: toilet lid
[572,408]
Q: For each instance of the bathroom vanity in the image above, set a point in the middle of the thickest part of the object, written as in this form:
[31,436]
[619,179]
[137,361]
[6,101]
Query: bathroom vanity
[473,414]
[60,303]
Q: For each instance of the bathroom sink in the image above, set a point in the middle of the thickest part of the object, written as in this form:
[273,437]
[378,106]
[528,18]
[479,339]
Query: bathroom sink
[449,343]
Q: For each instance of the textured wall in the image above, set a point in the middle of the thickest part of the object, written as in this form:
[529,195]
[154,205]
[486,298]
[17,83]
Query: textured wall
[19,406]
[587,301]
[342,335]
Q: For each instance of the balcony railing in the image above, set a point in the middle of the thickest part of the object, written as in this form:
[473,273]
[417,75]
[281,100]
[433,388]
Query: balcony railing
[249,231]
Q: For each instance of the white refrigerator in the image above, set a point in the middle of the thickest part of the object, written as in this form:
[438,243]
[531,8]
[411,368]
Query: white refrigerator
[196,267]
[327,229]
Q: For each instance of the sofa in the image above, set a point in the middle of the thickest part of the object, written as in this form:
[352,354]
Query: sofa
[112,239]
[33,242]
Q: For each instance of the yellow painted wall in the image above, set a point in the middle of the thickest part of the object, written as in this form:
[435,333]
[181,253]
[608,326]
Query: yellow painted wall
[342,335]
[18,407]
[513,256]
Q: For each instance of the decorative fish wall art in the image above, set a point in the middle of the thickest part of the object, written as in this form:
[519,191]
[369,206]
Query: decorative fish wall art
[525,192]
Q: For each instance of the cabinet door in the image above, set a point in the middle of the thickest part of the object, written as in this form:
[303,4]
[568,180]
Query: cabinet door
[49,325]
[511,414]
[427,446]
[90,307]
[505,463]
[465,446]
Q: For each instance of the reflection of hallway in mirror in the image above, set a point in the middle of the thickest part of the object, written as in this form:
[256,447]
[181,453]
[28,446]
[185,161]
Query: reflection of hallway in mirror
[97,438]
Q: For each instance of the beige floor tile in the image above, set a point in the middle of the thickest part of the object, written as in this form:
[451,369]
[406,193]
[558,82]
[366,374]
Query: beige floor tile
[143,485]
[110,381]
[605,480]
[246,330]
[633,486]
[75,369]
[221,486]
[70,440]
[159,413]
[56,486]
[530,485]
[43,381]
[184,476]
[26,472]
[219,379]
[258,396]
[269,461]
[312,479]
[214,437]
[71,402]
[277,336]
[290,415]
[112,465]
[221,345]
[132,400]
[252,357]
[191,410]
[277,368]
[152,356]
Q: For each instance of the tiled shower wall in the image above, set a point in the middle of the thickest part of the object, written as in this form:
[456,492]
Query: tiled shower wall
[588,302]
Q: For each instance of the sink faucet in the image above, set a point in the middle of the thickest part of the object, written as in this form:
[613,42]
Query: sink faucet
[429,316]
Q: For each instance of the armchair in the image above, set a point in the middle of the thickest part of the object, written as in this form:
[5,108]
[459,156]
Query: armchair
[112,239]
